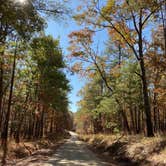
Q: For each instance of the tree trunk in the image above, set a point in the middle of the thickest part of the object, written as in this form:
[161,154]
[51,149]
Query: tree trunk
[138,120]
[4,135]
[155,112]
[163,14]
[135,119]
[42,122]
[17,134]
[149,125]
[125,122]
[132,119]
[1,86]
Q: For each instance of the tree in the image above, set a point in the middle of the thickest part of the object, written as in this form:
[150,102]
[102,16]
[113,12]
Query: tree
[156,70]
[51,81]
[88,61]
[4,134]
[126,22]
[26,18]
[37,101]
[21,20]
[121,111]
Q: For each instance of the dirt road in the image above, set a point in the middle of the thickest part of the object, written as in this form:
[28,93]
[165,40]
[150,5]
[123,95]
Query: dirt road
[72,153]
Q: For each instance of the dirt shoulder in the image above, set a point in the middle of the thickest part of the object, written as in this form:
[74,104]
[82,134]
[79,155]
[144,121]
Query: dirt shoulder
[133,150]
[41,150]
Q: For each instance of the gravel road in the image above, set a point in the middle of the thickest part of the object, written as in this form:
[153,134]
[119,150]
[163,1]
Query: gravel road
[72,153]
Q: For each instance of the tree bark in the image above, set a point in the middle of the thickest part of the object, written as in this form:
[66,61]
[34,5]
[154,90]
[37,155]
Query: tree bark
[42,122]
[132,119]
[147,108]
[4,135]
[149,126]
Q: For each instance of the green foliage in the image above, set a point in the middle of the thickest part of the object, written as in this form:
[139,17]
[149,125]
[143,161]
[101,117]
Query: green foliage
[98,106]
[47,54]
[23,19]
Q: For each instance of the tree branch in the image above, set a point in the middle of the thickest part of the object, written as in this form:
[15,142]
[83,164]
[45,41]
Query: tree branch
[114,27]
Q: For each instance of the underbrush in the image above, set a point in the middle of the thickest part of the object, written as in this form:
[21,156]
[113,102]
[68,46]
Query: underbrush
[137,150]
[30,147]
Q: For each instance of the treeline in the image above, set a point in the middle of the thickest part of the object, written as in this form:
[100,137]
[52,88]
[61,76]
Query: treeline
[33,84]
[125,91]
[122,111]
[39,103]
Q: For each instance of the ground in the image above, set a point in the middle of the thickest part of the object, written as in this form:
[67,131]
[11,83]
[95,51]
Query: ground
[72,153]
[99,150]
[129,150]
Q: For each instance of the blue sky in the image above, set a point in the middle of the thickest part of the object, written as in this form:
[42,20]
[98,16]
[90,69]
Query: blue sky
[61,29]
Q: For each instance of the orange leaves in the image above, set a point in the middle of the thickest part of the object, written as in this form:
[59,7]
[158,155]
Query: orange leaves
[92,75]
[81,48]
[109,8]
[77,67]
[78,40]
[79,17]
[156,64]
[80,36]
[161,92]
[155,55]
[77,54]
[158,90]
[121,29]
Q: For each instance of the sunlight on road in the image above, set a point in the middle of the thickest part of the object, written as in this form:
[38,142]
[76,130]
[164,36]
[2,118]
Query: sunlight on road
[75,153]
[72,153]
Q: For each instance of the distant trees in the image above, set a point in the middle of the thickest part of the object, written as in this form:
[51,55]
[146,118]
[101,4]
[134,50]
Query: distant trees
[120,111]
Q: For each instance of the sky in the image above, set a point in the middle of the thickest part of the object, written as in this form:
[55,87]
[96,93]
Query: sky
[61,29]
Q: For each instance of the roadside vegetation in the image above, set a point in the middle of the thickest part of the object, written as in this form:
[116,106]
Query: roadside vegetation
[129,150]
[122,111]
[33,84]
[125,90]
[124,97]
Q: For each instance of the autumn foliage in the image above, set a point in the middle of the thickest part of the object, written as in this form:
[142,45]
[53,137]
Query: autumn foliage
[129,76]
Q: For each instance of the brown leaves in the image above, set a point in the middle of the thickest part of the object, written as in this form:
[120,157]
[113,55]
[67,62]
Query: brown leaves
[109,8]
[128,34]
[77,67]
[78,40]
[80,36]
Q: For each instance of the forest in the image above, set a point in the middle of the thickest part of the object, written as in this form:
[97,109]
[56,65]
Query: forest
[125,89]
[33,85]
